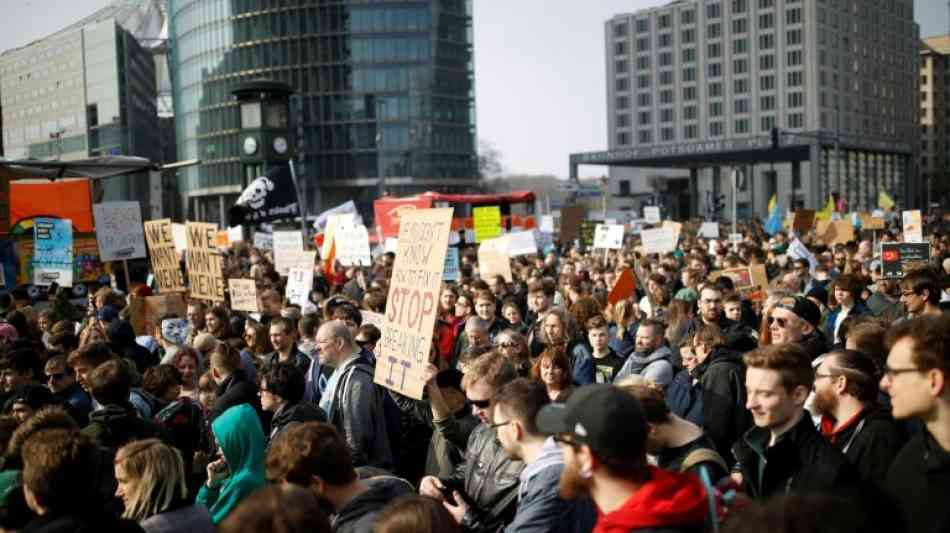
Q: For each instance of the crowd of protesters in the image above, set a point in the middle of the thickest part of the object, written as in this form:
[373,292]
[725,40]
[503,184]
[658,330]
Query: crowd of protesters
[820,402]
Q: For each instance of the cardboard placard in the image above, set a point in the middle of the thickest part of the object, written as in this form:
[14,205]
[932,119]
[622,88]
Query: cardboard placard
[375,319]
[119,230]
[145,311]
[623,288]
[751,281]
[608,236]
[912,227]
[451,270]
[586,234]
[710,230]
[571,218]
[299,285]
[52,251]
[658,240]
[243,295]
[803,220]
[487,222]
[352,245]
[413,303]
[165,258]
[493,263]
[651,214]
[899,258]
[205,279]
[288,247]
[263,241]
[677,228]
[871,222]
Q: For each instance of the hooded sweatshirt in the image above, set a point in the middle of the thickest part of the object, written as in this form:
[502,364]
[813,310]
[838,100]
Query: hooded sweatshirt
[667,501]
[238,431]
[655,366]
[359,514]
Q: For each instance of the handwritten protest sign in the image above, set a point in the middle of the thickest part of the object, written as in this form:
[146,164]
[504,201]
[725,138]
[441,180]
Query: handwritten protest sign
[161,246]
[658,240]
[288,249]
[352,245]
[119,230]
[493,263]
[835,231]
[547,224]
[53,251]
[522,243]
[205,280]
[710,230]
[487,222]
[871,222]
[299,285]
[899,258]
[404,348]
[263,241]
[235,234]
[608,236]
[677,228]
[179,237]
[451,270]
[243,295]
[651,214]
[751,281]
[912,227]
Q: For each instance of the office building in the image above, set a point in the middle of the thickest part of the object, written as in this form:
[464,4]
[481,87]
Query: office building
[384,95]
[934,116]
[695,89]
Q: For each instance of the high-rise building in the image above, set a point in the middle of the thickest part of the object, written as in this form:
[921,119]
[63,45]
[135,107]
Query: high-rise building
[695,89]
[85,91]
[934,118]
[384,95]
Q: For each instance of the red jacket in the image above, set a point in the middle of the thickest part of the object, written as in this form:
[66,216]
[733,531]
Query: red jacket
[667,500]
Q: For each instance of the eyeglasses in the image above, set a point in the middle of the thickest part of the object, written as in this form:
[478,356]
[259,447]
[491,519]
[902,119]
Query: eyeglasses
[892,372]
[56,376]
[782,322]
[500,424]
[481,404]
[507,345]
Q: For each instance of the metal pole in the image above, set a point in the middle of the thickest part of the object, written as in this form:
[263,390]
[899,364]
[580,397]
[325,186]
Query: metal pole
[735,179]
[837,149]
[300,199]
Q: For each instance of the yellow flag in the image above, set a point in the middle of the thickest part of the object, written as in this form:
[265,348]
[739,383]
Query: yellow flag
[825,214]
[772,201]
[884,200]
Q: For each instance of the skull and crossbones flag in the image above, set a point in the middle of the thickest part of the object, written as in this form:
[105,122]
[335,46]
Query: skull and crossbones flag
[267,198]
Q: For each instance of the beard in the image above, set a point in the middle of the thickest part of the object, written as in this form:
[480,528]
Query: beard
[825,402]
[572,485]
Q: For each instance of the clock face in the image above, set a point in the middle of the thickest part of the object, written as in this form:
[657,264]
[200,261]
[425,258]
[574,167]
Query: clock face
[280,145]
[250,146]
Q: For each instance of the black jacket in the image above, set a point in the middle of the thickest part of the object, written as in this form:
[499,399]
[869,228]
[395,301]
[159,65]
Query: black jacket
[738,336]
[815,344]
[359,514]
[235,390]
[74,523]
[488,480]
[871,443]
[299,358]
[289,414]
[122,341]
[919,481]
[801,461]
[359,414]
[722,382]
[113,426]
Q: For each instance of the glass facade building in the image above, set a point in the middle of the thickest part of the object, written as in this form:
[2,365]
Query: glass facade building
[382,89]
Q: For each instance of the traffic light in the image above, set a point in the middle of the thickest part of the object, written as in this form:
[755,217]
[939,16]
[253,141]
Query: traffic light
[775,139]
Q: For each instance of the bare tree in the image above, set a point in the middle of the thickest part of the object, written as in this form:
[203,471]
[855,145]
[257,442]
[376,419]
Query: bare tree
[489,160]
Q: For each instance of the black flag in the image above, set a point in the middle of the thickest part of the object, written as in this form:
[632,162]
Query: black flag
[267,198]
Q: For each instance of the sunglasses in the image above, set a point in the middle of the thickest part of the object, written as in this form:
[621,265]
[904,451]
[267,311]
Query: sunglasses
[782,322]
[481,404]
[507,345]
[57,376]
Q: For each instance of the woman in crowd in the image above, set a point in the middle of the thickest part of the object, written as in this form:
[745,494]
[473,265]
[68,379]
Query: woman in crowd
[151,483]
[626,315]
[447,323]
[188,363]
[256,341]
[514,346]
[217,323]
[464,307]
[553,369]
[511,311]
[559,329]
[680,311]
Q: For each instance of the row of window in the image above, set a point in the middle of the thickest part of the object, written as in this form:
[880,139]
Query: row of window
[715,129]
[795,78]
[740,106]
[739,45]
[713,11]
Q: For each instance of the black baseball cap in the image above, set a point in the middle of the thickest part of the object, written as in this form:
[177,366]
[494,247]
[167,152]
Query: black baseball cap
[604,417]
[803,307]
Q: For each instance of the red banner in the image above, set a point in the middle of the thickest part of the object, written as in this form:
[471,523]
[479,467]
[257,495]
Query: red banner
[388,212]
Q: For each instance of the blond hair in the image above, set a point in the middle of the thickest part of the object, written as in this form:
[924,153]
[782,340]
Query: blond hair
[158,473]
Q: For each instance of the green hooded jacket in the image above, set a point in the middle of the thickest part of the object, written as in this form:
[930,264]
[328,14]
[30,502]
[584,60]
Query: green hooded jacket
[241,437]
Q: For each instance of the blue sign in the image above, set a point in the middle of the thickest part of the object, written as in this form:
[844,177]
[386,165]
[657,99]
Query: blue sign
[451,272]
[53,251]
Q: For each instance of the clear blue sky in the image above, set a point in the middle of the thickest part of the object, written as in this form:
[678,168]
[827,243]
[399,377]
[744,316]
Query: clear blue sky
[539,68]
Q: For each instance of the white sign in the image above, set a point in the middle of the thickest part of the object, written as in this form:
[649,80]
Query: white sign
[658,241]
[352,245]
[263,241]
[180,236]
[347,207]
[710,230]
[735,238]
[235,234]
[608,236]
[797,250]
[299,284]
[391,244]
[288,247]
[522,243]
[547,224]
[651,214]
[912,226]
[119,230]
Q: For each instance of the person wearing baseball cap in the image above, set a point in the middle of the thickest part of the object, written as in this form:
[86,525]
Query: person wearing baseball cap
[795,319]
[603,431]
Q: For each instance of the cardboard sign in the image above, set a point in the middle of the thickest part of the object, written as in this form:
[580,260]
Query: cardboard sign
[263,241]
[487,222]
[913,229]
[375,319]
[243,295]
[451,270]
[53,251]
[586,234]
[119,230]
[899,258]
[493,263]
[623,288]
[751,281]
[677,228]
[161,246]
[352,245]
[146,311]
[205,279]
[871,222]
[608,236]
[413,303]
[288,247]
[334,224]
[803,220]
[835,231]
[658,240]
[571,218]
[710,230]
[522,243]
[299,285]
[651,214]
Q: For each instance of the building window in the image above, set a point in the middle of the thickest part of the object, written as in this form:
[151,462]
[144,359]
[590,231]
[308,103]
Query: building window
[740,105]
[766,62]
[622,84]
[667,134]
[663,21]
[739,6]
[625,186]
[793,37]
[767,123]
[687,16]
[689,36]
[740,86]
[643,25]
[713,31]
[643,44]
[666,96]
[620,48]
[643,62]
[714,70]
[713,11]
[715,89]
[767,41]
[795,57]
[766,83]
[767,103]
[643,81]
[644,118]
[689,74]
[796,120]
[715,129]
[795,78]
[689,112]
[715,109]
[793,16]
[645,137]
[666,77]
[620,66]
[623,121]
[689,93]
[623,138]
[714,50]
[666,59]
[690,131]
[623,102]
[665,40]
[643,99]
[796,99]
[766,21]
[667,115]
[620,30]
[740,66]
[740,25]
[742,126]
[740,46]
[689,55]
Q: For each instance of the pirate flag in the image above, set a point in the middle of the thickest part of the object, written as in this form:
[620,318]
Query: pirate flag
[267,198]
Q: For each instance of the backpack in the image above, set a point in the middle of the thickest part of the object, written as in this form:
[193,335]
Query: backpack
[184,422]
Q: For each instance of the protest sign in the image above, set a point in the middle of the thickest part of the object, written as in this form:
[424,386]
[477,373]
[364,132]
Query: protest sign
[205,279]
[243,295]
[288,246]
[623,288]
[493,263]
[334,223]
[53,251]
[451,270]
[87,267]
[651,214]
[912,227]
[221,239]
[797,250]
[571,217]
[161,246]
[522,243]
[487,222]
[803,220]
[346,207]
[119,230]
[415,288]
[352,245]
[179,238]
[677,228]
[710,230]
[871,222]
[751,281]
[547,224]
[833,232]
[899,258]
[145,312]
[608,236]
[235,234]
[375,319]
[263,241]
[299,285]
[586,233]
[658,240]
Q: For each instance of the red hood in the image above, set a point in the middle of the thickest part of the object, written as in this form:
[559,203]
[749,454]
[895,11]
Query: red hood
[667,499]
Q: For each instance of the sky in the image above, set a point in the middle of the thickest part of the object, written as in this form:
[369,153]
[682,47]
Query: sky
[540,70]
